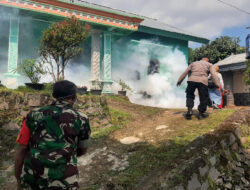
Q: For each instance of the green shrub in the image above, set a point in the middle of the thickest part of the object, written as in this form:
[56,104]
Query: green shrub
[32,69]
[48,87]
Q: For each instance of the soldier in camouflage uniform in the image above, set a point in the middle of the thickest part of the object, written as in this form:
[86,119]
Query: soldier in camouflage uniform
[50,140]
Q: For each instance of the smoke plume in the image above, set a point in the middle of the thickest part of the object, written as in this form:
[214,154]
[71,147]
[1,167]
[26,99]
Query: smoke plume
[158,89]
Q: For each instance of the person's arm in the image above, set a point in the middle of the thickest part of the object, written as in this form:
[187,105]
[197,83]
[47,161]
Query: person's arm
[23,141]
[214,75]
[20,155]
[84,138]
[221,80]
[183,76]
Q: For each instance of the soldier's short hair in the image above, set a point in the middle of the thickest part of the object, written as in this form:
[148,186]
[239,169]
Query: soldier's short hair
[64,89]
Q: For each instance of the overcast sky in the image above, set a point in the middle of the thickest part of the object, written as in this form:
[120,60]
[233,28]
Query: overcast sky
[208,18]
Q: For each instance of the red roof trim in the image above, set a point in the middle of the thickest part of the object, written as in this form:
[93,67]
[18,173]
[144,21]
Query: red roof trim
[89,10]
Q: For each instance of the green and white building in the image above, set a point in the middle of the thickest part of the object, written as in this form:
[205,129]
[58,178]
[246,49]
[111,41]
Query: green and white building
[22,23]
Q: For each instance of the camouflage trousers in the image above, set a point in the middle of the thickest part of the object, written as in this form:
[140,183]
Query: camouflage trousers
[29,182]
[53,186]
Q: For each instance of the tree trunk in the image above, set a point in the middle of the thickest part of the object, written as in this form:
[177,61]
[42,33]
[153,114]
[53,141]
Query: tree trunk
[58,70]
[63,67]
[51,71]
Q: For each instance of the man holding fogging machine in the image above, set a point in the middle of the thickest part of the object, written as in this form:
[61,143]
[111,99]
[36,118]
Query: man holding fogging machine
[198,79]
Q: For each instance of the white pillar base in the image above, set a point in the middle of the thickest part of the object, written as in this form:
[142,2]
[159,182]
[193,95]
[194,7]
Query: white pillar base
[12,83]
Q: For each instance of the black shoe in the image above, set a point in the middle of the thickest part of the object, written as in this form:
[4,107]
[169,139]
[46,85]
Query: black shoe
[189,114]
[202,115]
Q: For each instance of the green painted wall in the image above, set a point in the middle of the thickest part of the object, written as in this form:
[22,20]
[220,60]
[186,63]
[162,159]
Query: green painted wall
[4,44]
[30,32]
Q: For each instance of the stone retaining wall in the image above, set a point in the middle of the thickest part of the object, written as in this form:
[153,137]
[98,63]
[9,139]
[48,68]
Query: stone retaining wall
[219,160]
[14,106]
[12,100]
[21,103]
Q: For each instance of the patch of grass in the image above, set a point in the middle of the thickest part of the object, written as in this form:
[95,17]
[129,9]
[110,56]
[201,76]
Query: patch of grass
[7,143]
[211,183]
[118,120]
[247,135]
[24,89]
[195,128]
[152,110]
[10,173]
[7,91]
[145,159]
[124,180]
[98,133]
[2,180]
[47,89]
[3,167]
[93,114]
[3,87]
[247,144]
[7,115]
[93,187]
[117,98]
[7,137]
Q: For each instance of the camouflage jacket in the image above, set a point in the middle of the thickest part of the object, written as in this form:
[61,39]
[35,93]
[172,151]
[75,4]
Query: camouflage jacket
[56,132]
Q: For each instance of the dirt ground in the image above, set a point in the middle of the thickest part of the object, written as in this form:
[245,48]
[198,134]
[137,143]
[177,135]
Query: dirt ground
[145,120]
[106,164]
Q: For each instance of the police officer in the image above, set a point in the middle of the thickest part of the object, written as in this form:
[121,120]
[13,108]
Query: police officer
[50,140]
[198,79]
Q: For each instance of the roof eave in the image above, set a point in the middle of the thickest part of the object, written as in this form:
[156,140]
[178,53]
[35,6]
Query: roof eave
[233,67]
[118,12]
[57,3]
[173,34]
[225,64]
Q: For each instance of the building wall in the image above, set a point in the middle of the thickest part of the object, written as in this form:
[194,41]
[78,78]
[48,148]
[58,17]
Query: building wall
[228,80]
[234,81]
[4,43]
[239,85]
[30,33]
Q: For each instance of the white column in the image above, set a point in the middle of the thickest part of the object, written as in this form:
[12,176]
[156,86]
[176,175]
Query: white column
[95,60]
[11,75]
[107,78]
